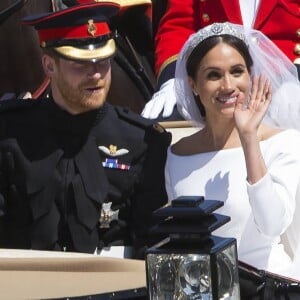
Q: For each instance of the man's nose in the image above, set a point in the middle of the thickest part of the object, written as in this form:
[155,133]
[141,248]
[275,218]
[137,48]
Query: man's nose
[95,70]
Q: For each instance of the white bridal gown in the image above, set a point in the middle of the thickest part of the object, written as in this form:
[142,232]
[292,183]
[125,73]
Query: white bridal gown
[260,213]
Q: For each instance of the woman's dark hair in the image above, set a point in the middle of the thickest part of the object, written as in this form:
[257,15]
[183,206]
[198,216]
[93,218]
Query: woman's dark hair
[202,48]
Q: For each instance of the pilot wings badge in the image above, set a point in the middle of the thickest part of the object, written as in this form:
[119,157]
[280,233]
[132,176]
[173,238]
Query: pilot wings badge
[113,150]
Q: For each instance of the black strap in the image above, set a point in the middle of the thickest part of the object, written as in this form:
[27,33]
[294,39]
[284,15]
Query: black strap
[128,59]
[7,12]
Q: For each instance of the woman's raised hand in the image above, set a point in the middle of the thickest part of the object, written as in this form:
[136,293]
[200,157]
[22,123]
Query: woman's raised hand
[248,116]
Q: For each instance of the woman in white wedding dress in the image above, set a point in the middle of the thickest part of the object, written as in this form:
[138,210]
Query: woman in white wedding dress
[245,95]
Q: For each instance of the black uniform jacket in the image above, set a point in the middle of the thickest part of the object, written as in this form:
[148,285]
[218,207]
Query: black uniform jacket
[58,169]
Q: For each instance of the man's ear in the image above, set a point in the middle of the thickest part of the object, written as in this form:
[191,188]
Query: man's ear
[48,65]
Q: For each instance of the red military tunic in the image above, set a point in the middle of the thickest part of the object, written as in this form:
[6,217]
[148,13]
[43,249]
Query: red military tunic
[278,19]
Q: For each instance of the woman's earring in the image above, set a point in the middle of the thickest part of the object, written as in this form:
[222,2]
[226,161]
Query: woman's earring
[195,93]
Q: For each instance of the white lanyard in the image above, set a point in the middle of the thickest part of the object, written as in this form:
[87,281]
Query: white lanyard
[248,11]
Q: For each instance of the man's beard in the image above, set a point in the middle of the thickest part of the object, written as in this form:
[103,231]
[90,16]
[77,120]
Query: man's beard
[77,99]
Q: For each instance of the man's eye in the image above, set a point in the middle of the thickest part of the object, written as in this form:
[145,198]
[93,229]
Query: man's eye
[77,67]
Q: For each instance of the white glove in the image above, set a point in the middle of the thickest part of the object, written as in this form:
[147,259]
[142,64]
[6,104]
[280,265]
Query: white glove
[163,100]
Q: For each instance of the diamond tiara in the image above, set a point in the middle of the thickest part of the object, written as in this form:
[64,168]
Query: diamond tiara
[215,29]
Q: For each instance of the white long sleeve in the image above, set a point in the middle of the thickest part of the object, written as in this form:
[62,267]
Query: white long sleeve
[260,212]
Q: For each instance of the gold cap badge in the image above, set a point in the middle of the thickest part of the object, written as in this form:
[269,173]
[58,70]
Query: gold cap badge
[91,27]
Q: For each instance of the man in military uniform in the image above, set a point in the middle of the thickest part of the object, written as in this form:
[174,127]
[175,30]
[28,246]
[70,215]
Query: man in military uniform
[78,174]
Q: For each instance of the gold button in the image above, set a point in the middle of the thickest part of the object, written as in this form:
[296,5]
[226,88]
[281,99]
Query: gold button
[298,33]
[205,17]
[297,49]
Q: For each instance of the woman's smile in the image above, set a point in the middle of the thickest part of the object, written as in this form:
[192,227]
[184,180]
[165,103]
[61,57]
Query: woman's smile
[227,99]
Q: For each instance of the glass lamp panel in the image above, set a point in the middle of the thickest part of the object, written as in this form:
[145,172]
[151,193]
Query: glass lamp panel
[179,276]
[227,269]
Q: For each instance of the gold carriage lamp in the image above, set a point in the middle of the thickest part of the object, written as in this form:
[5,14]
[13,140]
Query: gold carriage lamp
[79,32]
[191,263]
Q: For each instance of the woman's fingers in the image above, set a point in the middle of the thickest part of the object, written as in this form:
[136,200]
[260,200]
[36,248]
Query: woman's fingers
[260,96]
[253,93]
[260,92]
[268,90]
